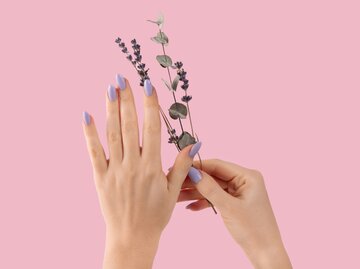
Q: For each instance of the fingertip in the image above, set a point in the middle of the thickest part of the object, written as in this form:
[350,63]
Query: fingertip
[86,118]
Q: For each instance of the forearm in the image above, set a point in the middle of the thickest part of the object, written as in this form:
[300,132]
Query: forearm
[274,257]
[130,254]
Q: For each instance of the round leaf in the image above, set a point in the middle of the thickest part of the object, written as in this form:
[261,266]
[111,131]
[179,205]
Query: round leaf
[178,110]
[164,60]
[161,38]
[185,139]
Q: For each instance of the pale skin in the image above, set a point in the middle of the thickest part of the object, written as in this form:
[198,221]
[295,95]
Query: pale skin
[137,197]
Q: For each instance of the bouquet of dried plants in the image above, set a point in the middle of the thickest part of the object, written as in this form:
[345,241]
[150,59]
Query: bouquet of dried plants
[178,111]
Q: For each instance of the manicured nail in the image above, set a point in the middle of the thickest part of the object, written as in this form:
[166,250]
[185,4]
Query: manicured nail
[195,149]
[120,82]
[194,175]
[148,87]
[86,118]
[112,93]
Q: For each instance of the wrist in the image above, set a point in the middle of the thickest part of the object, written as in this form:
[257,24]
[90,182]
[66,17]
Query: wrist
[274,256]
[122,250]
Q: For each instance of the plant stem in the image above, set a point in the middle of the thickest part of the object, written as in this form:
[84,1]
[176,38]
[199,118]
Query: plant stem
[168,69]
[188,108]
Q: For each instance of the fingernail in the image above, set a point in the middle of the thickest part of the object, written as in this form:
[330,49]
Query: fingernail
[148,87]
[195,149]
[86,118]
[112,93]
[120,81]
[194,175]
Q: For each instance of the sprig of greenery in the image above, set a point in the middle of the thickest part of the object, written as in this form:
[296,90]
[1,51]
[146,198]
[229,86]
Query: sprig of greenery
[177,111]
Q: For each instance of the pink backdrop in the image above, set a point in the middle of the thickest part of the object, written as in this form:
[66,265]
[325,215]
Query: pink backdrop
[275,87]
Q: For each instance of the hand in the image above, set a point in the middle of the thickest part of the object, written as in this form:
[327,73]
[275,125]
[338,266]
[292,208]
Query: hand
[240,195]
[136,197]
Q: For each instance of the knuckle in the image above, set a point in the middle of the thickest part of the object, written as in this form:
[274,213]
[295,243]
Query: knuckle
[149,172]
[114,137]
[94,152]
[152,128]
[151,104]
[126,96]
[129,126]
[257,175]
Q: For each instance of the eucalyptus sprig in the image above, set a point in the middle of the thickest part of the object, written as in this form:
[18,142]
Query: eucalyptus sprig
[177,111]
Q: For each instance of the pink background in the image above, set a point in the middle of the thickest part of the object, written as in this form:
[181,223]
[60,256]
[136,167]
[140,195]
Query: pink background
[275,86]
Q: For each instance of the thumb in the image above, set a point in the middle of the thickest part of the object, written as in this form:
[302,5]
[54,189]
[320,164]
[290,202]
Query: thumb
[180,169]
[209,188]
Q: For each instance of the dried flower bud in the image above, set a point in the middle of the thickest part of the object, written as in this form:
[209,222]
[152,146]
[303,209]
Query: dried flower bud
[178,64]
[118,40]
[186,98]
[133,41]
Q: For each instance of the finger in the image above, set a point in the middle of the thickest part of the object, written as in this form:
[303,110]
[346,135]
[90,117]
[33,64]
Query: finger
[128,120]
[209,188]
[221,169]
[113,125]
[198,205]
[189,184]
[182,164]
[194,194]
[189,194]
[151,141]
[94,146]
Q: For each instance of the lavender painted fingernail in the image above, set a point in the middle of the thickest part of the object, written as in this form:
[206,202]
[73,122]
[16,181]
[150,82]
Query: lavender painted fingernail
[148,87]
[194,175]
[112,93]
[195,149]
[120,81]
[86,118]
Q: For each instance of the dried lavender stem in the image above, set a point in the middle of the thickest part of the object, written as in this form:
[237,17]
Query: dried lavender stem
[188,108]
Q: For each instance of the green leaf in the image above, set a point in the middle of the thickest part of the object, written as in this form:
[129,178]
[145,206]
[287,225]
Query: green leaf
[164,60]
[161,38]
[175,82]
[185,139]
[177,110]
[167,84]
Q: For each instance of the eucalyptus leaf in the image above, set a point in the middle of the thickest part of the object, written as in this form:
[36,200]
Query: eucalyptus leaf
[185,139]
[159,21]
[178,110]
[161,38]
[167,84]
[175,82]
[164,60]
